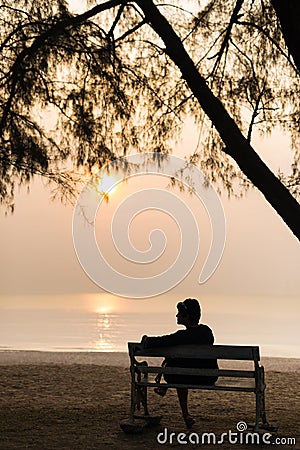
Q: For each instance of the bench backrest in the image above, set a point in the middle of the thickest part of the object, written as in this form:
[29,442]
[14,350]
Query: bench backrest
[234,352]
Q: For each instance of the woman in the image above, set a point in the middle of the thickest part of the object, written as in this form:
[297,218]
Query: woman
[189,313]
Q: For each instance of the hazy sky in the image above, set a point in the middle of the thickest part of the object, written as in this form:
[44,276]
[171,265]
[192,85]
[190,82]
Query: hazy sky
[261,256]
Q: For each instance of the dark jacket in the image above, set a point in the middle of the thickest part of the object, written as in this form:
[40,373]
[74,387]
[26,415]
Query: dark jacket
[201,334]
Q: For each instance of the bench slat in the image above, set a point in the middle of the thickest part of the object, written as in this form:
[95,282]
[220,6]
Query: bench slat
[235,386]
[194,371]
[236,352]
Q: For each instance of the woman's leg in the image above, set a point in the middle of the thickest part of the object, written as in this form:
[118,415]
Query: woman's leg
[182,394]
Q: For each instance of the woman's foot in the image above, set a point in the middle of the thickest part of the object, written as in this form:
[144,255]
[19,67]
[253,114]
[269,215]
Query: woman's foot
[189,421]
[160,391]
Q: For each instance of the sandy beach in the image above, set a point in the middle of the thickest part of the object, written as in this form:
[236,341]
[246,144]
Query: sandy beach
[77,401]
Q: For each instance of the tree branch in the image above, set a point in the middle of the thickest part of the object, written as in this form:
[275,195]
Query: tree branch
[236,145]
[259,28]
[115,22]
[288,13]
[129,32]
[58,28]
[255,113]
[225,41]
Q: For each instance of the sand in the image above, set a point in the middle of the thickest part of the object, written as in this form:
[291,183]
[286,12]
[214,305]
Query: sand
[48,401]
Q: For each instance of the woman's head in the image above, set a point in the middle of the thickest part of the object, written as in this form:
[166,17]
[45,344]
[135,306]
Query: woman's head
[189,312]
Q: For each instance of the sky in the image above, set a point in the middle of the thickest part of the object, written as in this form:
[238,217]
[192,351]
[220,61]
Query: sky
[261,256]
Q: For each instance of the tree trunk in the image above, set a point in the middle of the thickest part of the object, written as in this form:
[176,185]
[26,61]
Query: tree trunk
[288,13]
[236,144]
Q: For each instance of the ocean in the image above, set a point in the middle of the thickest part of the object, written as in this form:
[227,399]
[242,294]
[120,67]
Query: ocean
[51,327]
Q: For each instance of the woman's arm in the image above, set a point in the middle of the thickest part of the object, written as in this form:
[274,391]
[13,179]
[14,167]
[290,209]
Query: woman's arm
[167,340]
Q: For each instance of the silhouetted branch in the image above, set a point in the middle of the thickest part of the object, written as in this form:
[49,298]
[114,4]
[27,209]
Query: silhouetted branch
[56,29]
[279,48]
[225,42]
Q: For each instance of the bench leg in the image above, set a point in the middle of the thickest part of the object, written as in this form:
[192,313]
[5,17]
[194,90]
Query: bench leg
[138,397]
[257,410]
[262,406]
[260,399]
[260,413]
[141,399]
[138,393]
[132,403]
[145,401]
[263,410]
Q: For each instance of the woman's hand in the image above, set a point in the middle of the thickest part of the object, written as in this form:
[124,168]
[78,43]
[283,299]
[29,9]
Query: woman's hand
[144,338]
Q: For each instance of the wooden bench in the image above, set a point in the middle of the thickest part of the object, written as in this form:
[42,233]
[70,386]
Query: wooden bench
[145,374]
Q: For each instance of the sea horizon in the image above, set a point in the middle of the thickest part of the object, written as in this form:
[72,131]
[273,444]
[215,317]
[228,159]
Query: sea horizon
[99,323]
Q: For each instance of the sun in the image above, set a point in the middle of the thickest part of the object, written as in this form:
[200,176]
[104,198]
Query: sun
[104,310]
[107,185]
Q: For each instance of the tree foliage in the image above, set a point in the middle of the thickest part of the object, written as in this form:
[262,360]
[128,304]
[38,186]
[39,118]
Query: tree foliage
[79,90]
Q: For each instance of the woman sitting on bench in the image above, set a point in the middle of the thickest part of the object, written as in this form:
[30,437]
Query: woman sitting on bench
[189,313]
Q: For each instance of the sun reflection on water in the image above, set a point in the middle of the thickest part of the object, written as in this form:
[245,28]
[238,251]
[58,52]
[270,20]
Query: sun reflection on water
[104,325]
